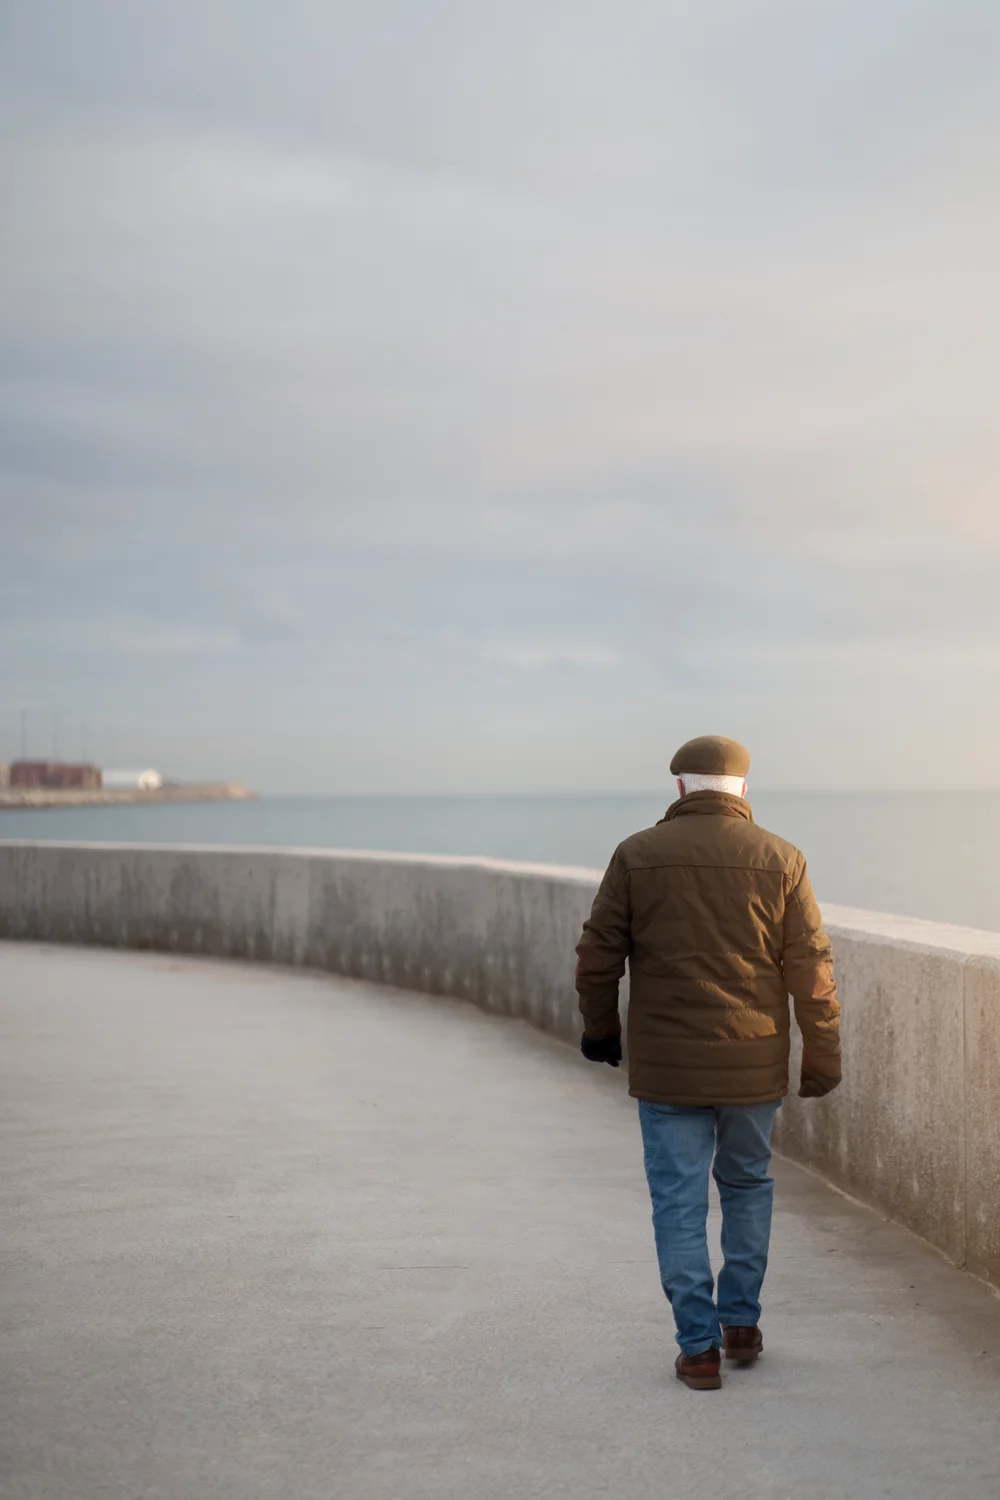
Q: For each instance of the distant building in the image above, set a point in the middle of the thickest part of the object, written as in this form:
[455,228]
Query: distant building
[54,776]
[132,781]
[4,777]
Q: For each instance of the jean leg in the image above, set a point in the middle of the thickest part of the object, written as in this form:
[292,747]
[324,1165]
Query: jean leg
[677,1150]
[746,1191]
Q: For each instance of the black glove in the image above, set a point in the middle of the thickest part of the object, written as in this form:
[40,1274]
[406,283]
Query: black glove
[608,1049]
[815,1085]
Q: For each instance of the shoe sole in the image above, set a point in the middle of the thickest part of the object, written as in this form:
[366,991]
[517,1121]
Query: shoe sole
[701,1382]
[738,1356]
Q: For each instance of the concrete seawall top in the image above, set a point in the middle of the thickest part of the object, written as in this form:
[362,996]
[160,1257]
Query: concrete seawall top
[913,1130]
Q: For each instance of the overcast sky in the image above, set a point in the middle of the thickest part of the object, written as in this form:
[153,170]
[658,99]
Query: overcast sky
[428,394]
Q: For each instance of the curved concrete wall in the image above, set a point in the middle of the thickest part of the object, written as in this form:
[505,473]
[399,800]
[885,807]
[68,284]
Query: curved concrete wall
[914,1130]
[501,935]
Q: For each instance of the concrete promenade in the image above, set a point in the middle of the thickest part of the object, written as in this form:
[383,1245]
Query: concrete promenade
[274,1235]
[914,1131]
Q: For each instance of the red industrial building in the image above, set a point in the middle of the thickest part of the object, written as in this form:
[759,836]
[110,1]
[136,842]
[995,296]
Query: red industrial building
[50,775]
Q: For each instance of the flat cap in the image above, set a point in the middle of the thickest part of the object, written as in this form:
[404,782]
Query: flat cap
[711,755]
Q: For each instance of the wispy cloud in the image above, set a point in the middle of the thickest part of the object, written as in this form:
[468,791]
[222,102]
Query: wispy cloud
[532,658]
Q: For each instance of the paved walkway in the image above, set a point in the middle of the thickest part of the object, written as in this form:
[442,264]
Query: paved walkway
[276,1236]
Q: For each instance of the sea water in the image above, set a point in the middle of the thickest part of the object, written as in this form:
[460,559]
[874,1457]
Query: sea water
[923,854]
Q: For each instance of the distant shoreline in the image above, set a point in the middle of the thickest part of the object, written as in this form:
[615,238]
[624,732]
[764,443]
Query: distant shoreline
[13,798]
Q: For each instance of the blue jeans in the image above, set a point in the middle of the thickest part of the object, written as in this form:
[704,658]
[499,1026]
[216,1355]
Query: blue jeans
[679,1142]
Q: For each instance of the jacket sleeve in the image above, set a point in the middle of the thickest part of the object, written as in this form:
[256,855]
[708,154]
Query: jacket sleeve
[602,951]
[807,964]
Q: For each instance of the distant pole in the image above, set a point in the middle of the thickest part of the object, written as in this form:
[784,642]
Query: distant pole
[24,734]
[55,736]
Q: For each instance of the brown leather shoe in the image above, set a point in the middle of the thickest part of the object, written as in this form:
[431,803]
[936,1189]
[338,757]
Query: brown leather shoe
[742,1344]
[700,1371]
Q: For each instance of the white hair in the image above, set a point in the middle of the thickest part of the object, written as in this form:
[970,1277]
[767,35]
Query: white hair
[700,781]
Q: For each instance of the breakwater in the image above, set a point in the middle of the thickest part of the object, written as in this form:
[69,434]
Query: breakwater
[42,797]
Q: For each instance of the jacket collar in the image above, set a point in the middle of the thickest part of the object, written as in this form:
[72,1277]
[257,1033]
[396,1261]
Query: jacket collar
[716,804]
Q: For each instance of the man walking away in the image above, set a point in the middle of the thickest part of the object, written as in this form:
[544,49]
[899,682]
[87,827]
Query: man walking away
[718,922]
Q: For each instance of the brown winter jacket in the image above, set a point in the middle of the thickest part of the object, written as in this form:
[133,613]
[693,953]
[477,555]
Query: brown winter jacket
[718,922]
